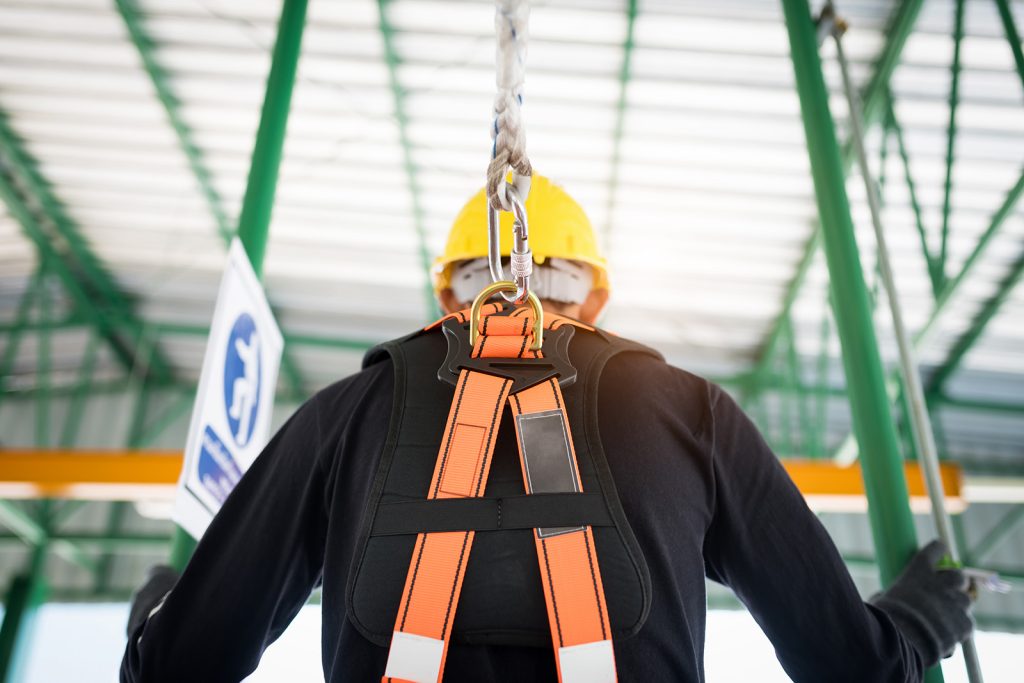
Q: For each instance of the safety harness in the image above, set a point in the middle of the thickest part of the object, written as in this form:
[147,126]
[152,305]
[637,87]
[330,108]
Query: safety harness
[567,522]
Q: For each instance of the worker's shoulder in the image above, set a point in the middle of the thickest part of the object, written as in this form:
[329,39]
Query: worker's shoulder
[644,364]
[371,383]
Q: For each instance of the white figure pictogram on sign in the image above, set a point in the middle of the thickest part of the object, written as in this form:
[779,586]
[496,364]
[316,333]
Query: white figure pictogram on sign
[242,378]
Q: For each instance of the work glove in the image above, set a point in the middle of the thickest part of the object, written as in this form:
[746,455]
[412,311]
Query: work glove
[160,579]
[930,606]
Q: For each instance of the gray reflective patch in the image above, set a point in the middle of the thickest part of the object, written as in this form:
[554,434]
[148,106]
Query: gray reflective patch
[547,458]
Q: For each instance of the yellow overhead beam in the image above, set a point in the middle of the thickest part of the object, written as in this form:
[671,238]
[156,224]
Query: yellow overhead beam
[153,476]
[97,475]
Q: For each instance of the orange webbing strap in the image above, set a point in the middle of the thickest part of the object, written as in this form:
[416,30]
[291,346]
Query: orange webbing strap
[573,591]
[419,643]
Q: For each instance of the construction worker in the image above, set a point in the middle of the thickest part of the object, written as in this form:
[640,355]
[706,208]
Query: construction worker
[683,487]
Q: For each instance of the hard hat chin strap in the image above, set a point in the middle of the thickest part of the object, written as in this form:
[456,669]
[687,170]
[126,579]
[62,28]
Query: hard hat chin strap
[557,279]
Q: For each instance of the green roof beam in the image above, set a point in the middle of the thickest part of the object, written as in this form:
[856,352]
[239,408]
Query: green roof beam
[392,60]
[145,46]
[21,319]
[131,15]
[625,76]
[1012,36]
[44,362]
[999,532]
[951,130]
[76,406]
[80,295]
[969,338]
[934,271]
[26,191]
[901,23]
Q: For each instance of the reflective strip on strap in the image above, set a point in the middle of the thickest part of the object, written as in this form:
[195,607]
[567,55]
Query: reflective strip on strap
[587,663]
[414,658]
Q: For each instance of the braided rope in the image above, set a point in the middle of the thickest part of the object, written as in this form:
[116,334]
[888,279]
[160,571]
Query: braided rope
[511,23]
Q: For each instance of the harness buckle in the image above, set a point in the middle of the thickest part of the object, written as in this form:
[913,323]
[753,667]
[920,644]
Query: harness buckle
[524,372]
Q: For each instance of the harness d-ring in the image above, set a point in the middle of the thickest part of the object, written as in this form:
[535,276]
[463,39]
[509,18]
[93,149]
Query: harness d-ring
[507,286]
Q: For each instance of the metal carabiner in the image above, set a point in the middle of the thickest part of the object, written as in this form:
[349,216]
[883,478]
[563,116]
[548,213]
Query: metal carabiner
[521,257]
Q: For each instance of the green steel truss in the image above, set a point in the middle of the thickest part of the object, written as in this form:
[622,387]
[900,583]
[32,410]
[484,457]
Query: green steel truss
[788,396]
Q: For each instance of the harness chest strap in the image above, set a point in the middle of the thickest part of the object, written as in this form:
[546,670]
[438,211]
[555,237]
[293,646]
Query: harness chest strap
[571,579]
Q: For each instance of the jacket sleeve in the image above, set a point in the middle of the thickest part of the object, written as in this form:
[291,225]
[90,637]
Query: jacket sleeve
[251,573]
[767,545]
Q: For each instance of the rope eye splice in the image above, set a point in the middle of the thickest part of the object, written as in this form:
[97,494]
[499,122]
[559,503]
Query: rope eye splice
[511,25]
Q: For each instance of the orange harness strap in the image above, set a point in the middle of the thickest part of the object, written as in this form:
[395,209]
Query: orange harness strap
[571,578]
[573,590]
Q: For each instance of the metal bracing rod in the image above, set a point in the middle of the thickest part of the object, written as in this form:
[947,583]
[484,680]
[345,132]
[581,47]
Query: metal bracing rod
[76,406]
[1012,36]
[21,318]
[625,75]
[821,407]
[25,183]
[87,299]
[953,284]
[954,102]
[900,24]
[44,361]
[392,60]
[934,274]
[888,507]
[172,413]
[847,450]
[984,316]
[34,534]
[119,509]
[258,203]
[921,427]
[131,16]
[1003,528]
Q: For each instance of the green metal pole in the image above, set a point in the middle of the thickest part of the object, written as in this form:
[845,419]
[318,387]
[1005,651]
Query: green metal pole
[892,524]
[26,593]
[257,207]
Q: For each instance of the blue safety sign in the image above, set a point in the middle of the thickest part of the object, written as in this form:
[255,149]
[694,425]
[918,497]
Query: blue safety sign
[231,420]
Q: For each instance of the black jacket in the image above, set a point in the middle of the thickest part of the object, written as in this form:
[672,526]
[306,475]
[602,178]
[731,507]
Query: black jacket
[703,493]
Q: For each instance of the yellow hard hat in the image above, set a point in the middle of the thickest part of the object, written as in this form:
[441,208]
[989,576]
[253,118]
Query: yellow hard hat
[558,229]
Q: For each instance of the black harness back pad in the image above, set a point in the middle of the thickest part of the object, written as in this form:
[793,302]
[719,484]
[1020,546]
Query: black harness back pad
[502,601]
